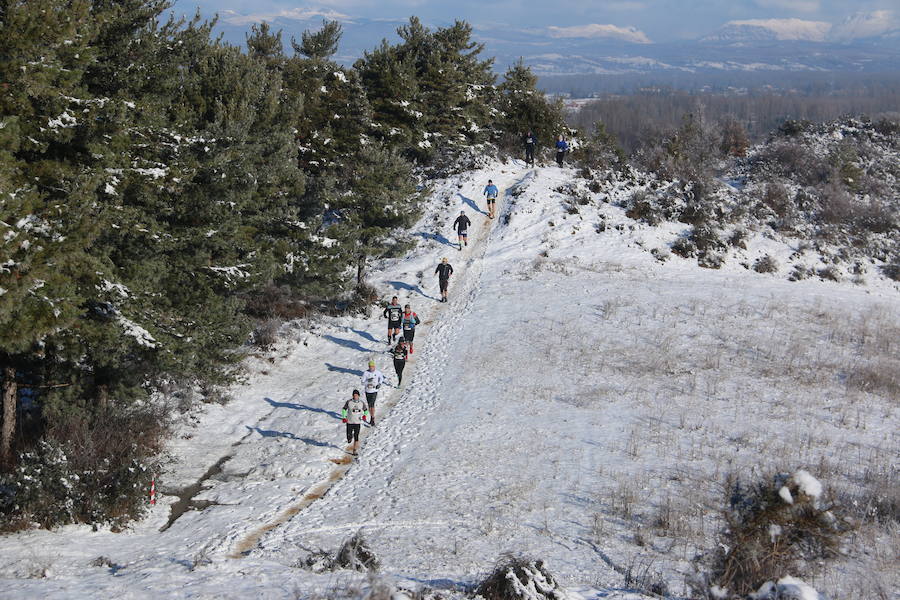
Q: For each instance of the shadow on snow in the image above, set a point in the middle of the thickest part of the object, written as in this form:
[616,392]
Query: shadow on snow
[277,404]
[399,285]
[268,433]
[472,205]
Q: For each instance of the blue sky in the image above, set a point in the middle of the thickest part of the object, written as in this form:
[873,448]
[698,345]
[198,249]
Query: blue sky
[658,20]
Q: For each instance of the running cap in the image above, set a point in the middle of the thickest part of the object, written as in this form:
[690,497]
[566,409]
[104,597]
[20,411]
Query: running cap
[371,362]
[462,212]
[356,392]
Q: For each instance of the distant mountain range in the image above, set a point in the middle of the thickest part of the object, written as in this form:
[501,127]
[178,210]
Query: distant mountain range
[865,42]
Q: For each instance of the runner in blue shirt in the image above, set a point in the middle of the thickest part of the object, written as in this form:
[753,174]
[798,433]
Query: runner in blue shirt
[491,192]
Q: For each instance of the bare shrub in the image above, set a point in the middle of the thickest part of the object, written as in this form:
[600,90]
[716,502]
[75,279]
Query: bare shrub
[623,499]
[876,216]
[801,272]
[772,528]
[879,376]
[892,270]
[265,335]
[88,469]
[776,199]
[830,272]
[792,159]
[684,247]
[706,238]
[738,238]
[765,264]
[273,301]
[875,500]
[837,204]
[517,578]
[642,207]
[356,554]
[641,576]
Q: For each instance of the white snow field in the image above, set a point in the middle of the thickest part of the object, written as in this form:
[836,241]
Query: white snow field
[576,401]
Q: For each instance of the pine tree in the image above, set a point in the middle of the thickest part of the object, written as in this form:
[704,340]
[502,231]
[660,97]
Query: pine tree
[378,200]
[322,44]
[48,177]
[601,149]
[525,108]
[430,92]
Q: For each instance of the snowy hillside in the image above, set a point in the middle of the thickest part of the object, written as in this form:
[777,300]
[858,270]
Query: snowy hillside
[577,401]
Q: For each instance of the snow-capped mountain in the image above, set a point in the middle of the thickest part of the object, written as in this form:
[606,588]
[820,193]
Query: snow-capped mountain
[877,24]
[758,30]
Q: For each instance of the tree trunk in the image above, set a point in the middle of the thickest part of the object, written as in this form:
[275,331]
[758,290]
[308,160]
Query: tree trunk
[360,271]
[10,400]
[103,396]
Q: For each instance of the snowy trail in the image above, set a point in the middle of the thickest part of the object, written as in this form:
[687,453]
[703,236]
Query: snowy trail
[574,395]
[380,444]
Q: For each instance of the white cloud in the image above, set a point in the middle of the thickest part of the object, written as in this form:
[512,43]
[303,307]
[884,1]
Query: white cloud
[807,6]
[296,14]
[594,30]
[790,29]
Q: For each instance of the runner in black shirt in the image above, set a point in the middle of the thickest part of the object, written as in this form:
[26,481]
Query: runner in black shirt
[444,271]
[393,312]
[461,225]
[400,354]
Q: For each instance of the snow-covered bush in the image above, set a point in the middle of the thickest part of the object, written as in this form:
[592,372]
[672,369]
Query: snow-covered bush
[765,264]
[356,554]
[773,528]
[87,470]
[892,269]
[517,578]
[643,206]
[711,260]
[830,272]
[353,554]
[50,488]
[786,588]
[684,247]
[801,272]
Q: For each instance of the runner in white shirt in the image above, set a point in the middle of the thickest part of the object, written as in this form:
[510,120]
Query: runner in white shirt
[371,382]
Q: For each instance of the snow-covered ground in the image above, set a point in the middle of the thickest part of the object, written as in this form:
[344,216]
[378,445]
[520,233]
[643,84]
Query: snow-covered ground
[576,401]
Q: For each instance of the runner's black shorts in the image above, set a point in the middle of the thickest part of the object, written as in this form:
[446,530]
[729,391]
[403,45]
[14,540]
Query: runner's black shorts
[443,283]
[370,398]
[353,432]
[491,200]
[409,334]
[393,324]
[462,233]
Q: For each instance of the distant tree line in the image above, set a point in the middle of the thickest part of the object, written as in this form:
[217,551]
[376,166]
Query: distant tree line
[802,83]
[161,192]
[639,118]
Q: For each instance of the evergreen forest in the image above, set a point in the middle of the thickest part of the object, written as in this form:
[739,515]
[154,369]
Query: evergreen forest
[163,193]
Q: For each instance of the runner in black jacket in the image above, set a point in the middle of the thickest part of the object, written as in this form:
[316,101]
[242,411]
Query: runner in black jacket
[400,354]
[444,271]
[529,141]
[461,225]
